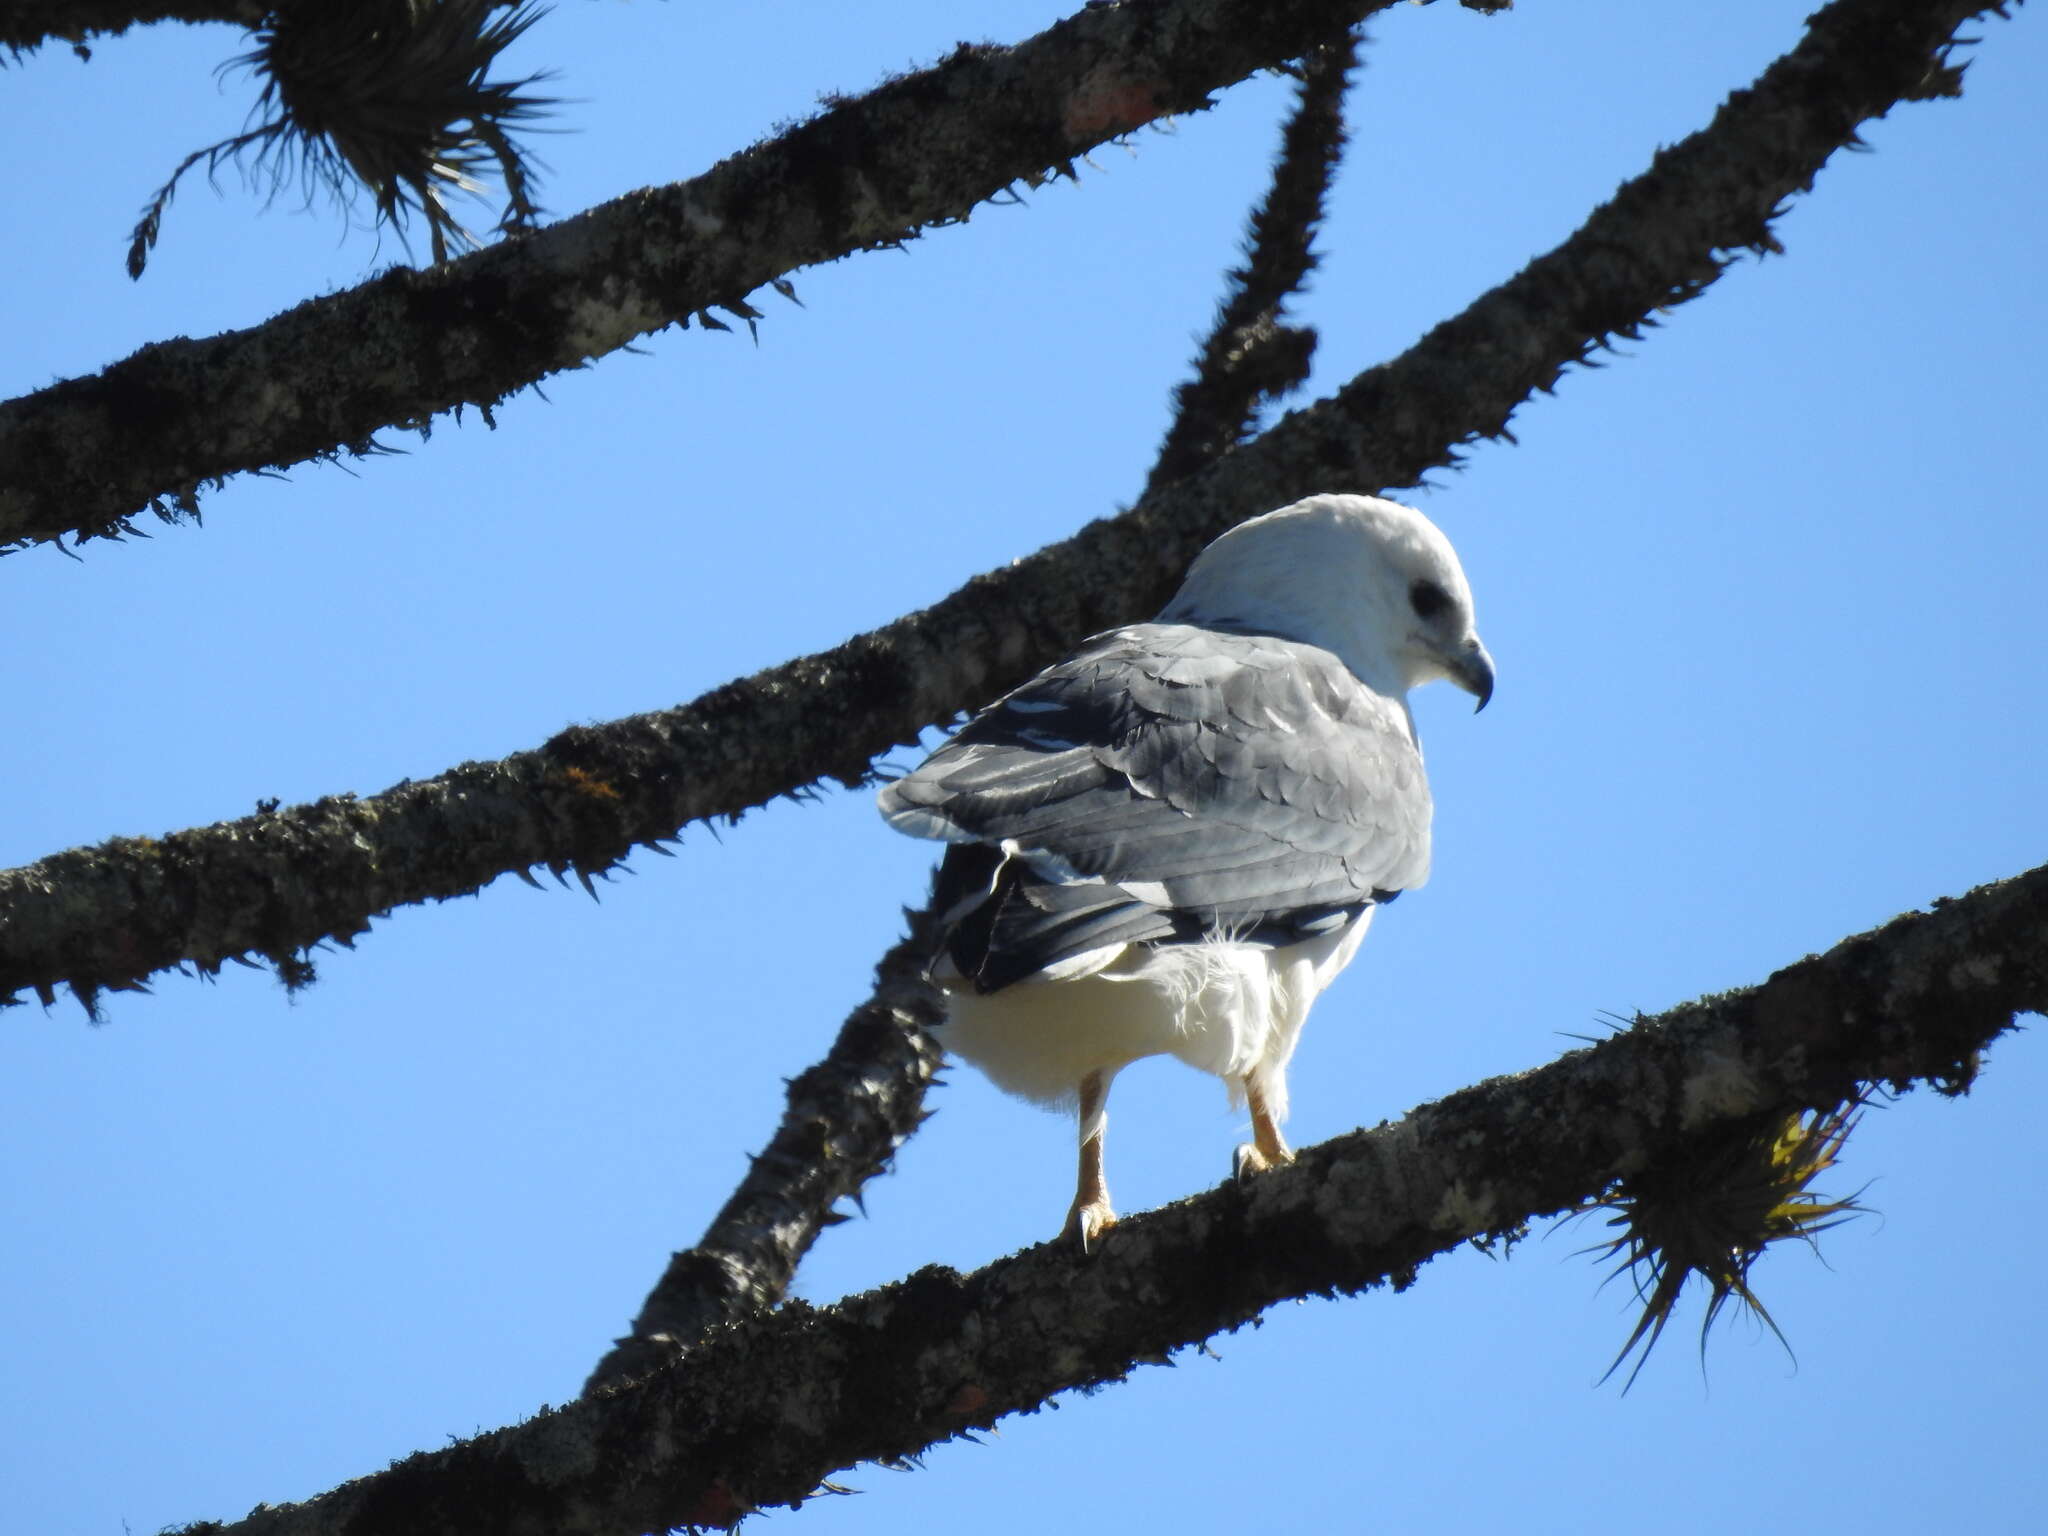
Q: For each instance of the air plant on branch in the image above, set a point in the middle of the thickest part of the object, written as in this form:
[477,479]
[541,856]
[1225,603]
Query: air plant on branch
[1712,1211]
[390,96]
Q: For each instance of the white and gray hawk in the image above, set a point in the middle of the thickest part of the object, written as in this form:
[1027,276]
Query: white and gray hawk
[1172,841]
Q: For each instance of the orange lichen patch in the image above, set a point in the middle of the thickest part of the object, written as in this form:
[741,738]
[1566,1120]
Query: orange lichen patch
[967,1402]
[589,784]
[1107,102]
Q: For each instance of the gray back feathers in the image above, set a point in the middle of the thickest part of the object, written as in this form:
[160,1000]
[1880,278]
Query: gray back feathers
[1168,783]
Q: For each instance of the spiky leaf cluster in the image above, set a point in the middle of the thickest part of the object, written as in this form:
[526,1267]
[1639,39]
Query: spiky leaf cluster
[390,96]
[1712,1209]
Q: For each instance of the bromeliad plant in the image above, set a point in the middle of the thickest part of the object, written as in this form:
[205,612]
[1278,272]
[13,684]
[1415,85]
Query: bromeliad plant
[1713,1211]
[389,96]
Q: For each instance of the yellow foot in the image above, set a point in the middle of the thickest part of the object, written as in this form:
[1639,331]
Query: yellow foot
[1086,1223]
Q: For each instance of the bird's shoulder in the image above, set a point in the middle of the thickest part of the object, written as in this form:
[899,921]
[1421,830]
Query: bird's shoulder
[1252,728]
[1157,676]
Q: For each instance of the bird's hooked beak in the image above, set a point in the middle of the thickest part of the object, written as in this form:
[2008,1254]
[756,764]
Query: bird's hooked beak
[1472,670]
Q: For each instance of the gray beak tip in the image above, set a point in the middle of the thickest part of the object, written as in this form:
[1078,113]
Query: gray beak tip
[1475,675]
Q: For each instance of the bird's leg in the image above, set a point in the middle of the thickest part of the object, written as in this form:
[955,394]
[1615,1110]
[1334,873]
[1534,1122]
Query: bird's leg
[1091,1215]
[1267,1148]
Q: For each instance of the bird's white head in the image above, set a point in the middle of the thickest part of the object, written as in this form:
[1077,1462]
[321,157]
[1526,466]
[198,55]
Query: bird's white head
[1373,582]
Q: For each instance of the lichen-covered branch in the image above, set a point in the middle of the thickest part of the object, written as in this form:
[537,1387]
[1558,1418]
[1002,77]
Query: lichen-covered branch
[84,456]
[847,1116]
[275,883]
[765,1409]
[27,24]
[1251,357]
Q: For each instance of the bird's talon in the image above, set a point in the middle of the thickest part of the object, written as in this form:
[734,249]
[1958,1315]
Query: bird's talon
[1250,1159]
[1087,1223]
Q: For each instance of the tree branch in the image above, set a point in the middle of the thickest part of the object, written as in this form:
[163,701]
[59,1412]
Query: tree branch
[84,456]
[28,24]
[276,883]
[1250,356]
[847,1116]
[764,1410]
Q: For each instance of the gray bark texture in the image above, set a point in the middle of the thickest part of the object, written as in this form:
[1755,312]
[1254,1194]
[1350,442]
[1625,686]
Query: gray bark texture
[80,458]
[276,883]
[847,1115]
[765,1409]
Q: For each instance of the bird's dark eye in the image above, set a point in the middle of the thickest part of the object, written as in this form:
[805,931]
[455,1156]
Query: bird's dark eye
[1428,599]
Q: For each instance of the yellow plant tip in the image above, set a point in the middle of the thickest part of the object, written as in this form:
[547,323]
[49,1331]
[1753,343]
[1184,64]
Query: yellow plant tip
[389,96]
[1712,1208]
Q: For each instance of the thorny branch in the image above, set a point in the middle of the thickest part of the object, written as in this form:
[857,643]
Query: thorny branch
[847,1116]
[765,1409]
[1252,357]
[83,457]
[275,883]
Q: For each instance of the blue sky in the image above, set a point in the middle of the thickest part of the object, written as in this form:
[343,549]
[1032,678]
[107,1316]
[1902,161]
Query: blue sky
[1765,595]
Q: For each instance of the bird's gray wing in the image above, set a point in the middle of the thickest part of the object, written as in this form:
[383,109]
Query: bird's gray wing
[1165,783]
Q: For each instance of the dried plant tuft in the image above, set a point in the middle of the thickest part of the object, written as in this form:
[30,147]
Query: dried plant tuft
[391,96]
[1712,1211]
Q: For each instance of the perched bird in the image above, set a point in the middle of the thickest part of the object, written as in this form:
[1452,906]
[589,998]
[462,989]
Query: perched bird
[1172,841]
